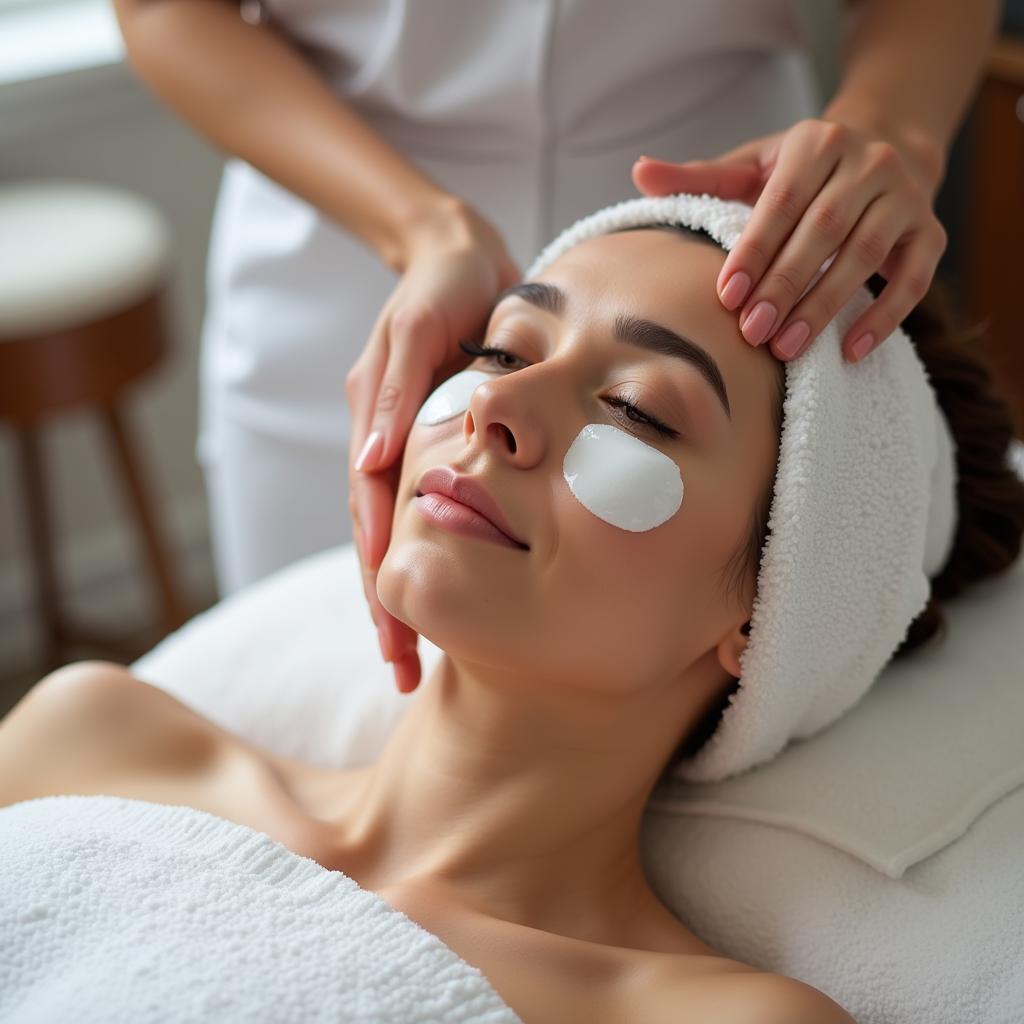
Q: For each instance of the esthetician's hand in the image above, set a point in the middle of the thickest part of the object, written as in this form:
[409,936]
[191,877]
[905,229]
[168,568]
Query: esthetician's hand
[817,187]
[455,271]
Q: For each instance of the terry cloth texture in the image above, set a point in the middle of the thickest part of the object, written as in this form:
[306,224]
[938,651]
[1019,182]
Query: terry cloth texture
[118,910]
[862,517]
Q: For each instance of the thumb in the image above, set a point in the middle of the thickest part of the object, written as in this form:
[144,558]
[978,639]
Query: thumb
[729,177]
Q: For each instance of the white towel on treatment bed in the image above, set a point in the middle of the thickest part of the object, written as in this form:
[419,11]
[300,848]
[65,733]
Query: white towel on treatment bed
[115,910]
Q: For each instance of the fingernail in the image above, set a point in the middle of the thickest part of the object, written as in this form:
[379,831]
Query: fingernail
[735,290]
[756,327]
[372,451]
[788,343]
[862,346]
[385,647]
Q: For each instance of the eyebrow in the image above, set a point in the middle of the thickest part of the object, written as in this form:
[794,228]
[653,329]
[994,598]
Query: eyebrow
[633,331]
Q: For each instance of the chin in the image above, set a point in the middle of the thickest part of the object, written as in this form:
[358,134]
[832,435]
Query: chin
[434,592]
[454,600]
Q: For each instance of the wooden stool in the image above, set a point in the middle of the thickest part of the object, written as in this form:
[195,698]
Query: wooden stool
[81,285]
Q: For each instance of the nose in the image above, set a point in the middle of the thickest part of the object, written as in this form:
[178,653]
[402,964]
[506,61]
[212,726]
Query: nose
[506,418]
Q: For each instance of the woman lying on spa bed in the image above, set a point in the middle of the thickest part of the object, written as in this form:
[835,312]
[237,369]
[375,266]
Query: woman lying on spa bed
[503,813]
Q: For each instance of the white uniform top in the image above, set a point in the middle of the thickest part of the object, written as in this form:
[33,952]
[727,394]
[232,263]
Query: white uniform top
[533,111]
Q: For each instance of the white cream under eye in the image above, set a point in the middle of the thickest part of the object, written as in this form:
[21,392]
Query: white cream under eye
[451,397]
[621,480]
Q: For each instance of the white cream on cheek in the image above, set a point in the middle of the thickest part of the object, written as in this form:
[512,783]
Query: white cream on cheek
[621,480]
[450,397]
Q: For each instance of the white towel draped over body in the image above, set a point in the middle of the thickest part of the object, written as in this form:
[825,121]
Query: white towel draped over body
[118,910]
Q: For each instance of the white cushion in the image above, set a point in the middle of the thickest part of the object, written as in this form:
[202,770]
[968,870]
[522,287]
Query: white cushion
[73,252]
[291,663]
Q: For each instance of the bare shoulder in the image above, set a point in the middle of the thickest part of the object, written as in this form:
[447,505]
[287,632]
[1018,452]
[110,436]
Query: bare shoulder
[86,720]
[730,992]
[778,999]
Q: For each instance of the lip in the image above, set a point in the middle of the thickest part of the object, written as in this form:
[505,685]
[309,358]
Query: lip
[467,492]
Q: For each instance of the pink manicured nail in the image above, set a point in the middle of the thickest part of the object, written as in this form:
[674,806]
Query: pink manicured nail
[862,346]
[372,451]
[735,290]
[761,320]
[789,341]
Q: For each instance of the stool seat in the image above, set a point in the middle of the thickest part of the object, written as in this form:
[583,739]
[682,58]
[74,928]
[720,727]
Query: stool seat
[74,251]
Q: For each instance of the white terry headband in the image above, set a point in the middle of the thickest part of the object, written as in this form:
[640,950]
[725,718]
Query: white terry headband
[863,515]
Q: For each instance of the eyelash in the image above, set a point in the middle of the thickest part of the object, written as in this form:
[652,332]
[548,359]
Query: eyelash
[632,411]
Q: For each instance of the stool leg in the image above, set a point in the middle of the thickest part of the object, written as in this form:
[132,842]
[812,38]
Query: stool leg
[173,609]
[40,537]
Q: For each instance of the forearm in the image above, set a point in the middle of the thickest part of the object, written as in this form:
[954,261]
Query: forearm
[251,94]
[910,67]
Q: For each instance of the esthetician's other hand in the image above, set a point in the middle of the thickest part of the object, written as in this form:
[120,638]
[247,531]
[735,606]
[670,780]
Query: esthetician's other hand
[817,187]
[457,265]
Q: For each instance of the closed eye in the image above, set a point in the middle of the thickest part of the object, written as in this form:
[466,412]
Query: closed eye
[629,409]
[490,353]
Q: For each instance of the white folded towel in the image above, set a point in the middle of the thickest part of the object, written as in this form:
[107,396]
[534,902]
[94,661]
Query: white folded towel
[118,910]
[863,514]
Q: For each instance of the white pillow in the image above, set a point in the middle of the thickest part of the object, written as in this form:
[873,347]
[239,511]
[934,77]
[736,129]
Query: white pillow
[291,663]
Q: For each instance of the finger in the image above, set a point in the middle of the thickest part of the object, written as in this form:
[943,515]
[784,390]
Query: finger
[374,498]
[832,217]
[395,635]
[399,639]
[396,638]
[408,672]
[357,533]
[361,386]
[417,345]
[837,215]
[725,178]
[915,267]
[865,250]
[368,578]
[807,159]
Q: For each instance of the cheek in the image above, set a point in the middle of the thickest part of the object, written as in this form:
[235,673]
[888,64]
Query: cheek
[621,480]
[616,601]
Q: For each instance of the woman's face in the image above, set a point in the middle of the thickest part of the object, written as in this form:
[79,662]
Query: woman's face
[590,600]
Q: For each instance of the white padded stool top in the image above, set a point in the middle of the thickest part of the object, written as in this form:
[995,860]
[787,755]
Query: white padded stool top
[74,251]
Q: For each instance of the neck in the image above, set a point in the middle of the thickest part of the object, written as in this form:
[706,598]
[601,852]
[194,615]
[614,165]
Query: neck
[525,797]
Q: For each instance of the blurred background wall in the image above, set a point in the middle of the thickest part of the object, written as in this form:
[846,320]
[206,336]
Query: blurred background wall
[97,122]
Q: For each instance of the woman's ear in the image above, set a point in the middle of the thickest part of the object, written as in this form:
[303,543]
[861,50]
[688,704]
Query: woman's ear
[731,646]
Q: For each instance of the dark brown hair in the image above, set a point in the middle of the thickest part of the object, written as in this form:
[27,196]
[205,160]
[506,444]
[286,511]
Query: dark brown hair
[989,492]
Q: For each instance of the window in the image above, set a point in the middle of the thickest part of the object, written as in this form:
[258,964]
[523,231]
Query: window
[41,38]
